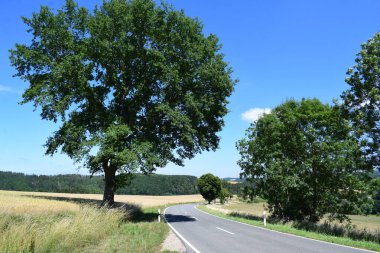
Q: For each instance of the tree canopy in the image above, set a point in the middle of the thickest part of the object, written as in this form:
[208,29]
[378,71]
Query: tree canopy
[303,159]
[362,100]
[134,85]
[209,186]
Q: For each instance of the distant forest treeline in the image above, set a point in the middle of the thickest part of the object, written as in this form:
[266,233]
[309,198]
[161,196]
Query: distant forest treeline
[154,184]
[141,185]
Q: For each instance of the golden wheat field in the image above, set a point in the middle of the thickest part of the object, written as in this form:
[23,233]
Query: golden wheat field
[44,222]
[30,224]
[141,200]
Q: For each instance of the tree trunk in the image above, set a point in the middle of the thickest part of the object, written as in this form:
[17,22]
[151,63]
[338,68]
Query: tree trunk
[109,186]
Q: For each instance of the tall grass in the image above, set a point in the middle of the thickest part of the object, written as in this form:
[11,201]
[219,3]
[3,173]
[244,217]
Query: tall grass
[60,232]
[41,225]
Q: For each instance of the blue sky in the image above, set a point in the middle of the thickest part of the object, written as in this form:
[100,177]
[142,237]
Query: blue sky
[278,50]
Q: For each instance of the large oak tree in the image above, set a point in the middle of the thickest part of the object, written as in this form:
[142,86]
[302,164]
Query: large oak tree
[134,85]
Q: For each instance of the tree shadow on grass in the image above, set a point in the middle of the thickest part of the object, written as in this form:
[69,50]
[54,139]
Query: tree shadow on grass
[134,213]
[91,202]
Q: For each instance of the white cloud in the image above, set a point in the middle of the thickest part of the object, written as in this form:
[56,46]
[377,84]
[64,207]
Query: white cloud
[5,88]
[254,114]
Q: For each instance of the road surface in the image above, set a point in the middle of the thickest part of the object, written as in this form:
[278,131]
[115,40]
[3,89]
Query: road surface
[206,233]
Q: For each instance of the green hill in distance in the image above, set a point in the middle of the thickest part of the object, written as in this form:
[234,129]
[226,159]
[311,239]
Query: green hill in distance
[154,184]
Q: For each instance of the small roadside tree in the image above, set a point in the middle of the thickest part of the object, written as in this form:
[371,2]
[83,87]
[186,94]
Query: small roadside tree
[361,102]
[209,187]
[304,161]
[135,85]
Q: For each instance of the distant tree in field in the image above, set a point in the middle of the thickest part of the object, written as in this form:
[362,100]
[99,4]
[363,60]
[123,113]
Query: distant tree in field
[224,195]
[209,187]
[361,102]
[304,161]
[248,192]
[133,84]
[375,185]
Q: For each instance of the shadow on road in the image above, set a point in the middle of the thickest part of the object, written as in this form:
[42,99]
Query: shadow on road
[178,218]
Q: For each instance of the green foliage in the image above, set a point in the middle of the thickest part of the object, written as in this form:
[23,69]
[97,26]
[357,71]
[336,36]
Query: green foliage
[135,85]
[248,192]
[361,101]
[209,186]
[375,174]
[375,185]
[304,161]
[139,185]
[224,195]
[161,185]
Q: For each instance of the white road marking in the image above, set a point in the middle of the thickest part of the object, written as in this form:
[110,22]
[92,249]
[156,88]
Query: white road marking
[179,235]
[225,230]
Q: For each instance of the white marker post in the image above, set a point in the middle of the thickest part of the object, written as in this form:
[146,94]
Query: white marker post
[265,218]
[159,215]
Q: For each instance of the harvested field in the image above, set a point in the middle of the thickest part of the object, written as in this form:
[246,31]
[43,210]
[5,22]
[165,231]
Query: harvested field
[141,200]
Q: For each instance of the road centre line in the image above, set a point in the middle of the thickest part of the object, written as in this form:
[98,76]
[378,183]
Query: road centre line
[225,230]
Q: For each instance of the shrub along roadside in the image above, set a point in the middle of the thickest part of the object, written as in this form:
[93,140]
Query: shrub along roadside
[300,232]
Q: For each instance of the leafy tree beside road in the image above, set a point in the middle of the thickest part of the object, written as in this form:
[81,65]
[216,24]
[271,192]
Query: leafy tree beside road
[134,85]
[361,102]
[303,159]
[209,187]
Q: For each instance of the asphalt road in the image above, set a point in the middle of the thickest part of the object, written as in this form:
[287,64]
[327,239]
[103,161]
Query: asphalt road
[206,233]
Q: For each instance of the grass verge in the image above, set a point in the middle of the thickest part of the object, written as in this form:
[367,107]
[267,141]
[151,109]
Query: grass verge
[290,230]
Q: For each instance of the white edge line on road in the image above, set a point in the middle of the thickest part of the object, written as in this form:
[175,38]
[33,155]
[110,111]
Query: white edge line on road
[365,250]
[225,230]
[179,235]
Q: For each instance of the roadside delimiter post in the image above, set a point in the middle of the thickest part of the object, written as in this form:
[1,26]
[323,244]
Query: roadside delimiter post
[265,218]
